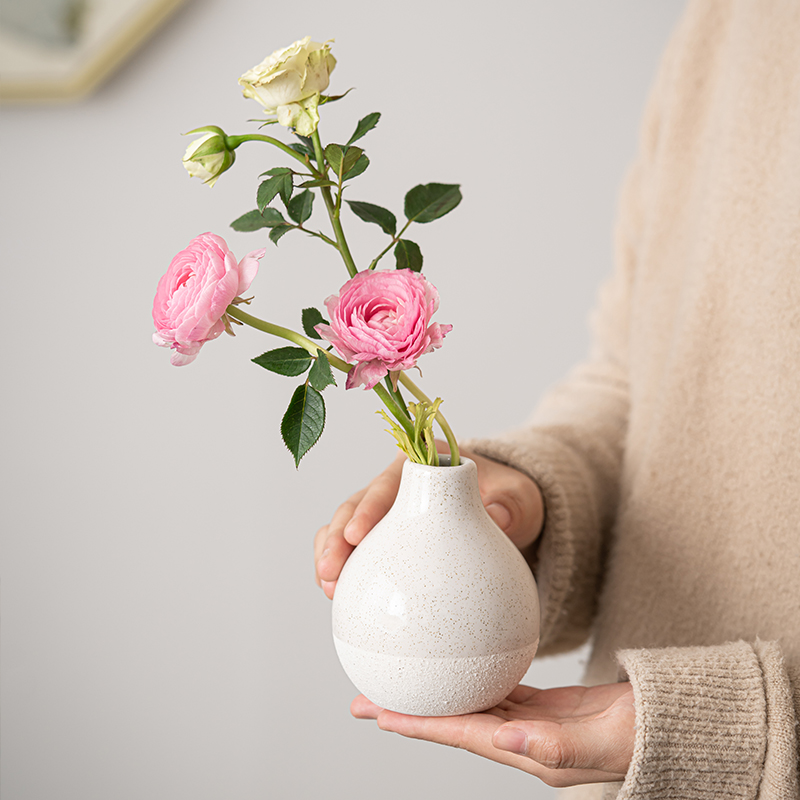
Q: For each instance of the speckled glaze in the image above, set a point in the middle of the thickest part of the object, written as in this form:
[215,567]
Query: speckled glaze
[436,612]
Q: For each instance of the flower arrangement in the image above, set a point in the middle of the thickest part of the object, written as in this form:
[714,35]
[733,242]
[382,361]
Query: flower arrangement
[381,320]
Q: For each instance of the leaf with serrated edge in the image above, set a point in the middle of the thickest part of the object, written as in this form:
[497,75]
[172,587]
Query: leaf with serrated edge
[303,150]
[361,166]
[315,182]
[291,361]
[351,159]
[364,126]
[303,422]
[429,201]
[277,184]
[276,171]
[334,156]
[300,206]
[321,375]
[279,231]
[408,255]
[378,215]
[312,317]
[255,219]
[251,221]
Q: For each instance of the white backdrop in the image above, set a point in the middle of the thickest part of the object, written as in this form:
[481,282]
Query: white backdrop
[162,636]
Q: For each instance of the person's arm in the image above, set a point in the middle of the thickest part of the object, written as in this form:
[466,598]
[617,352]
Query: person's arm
[711,722]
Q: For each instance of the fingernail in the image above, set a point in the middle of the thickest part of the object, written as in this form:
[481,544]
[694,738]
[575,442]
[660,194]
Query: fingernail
[349,527]
[500,514]
[511,739]
[325,585]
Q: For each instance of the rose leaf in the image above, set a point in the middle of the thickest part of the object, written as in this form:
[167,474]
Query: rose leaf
[369,212]
[429,201]
[364,126]
[303,422]
[360,166]
[291,361]
[321,374]
[312,317]
[408,255]
[255,219]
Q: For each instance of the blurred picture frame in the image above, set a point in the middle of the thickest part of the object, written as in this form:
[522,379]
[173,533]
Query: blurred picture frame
[61,50]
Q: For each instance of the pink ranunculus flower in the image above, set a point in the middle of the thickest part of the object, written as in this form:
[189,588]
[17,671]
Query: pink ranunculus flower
[191,299]
[381,321]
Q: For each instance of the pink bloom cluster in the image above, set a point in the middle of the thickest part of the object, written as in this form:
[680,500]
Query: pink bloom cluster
[191,299]
[381,321]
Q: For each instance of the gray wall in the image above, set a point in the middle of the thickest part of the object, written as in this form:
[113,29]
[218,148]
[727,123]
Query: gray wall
[162,636]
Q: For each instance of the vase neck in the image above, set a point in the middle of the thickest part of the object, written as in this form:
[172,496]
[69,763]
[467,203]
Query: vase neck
[423,489]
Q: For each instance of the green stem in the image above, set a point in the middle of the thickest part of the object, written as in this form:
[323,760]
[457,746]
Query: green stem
[412,387]
[331,207]
[395,240]
[288,334]
[397,413]
[232,142]
[314,350]
[396,395]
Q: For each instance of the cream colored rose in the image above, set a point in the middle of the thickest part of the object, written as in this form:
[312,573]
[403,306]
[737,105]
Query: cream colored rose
[208,157]
[289,82]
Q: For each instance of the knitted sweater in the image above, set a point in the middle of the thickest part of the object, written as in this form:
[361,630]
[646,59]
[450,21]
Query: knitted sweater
[670,460]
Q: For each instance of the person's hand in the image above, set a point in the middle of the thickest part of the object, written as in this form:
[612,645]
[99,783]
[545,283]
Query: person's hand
[564,736]
[512,499]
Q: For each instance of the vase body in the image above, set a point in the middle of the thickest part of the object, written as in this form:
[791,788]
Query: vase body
[436,612]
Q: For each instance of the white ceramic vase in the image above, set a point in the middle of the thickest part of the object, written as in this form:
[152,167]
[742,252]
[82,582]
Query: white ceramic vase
[436,612]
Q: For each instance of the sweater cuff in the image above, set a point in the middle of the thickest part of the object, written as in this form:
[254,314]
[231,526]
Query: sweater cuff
[702,720]
[566,559]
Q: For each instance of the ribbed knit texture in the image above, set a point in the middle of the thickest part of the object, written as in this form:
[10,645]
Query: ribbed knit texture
[696,744]
[670,461]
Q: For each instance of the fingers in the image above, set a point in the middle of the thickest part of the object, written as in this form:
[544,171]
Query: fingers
[588,745]
[351,522]
[376,500]
[512,499]
[361,708]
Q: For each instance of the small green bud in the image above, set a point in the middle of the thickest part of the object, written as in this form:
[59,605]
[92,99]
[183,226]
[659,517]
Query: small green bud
[209,156]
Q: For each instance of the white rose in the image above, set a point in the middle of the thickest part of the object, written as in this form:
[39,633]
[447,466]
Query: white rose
[208,157]
[289,82]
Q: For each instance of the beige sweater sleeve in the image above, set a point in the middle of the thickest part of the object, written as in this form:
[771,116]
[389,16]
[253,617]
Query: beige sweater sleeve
[711,722]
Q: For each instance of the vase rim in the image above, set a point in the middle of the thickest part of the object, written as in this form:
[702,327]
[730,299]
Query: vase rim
[465,462]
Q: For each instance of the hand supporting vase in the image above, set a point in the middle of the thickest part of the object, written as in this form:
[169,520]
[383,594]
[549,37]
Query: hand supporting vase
[436,612]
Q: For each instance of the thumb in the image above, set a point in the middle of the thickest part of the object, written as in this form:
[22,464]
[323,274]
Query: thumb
[550,748]
[558,747]
[500,514]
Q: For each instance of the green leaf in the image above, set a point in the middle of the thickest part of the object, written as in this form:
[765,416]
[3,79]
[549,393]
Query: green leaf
[408,255]
[360,166]
[334,155]
[303,421]
[315,182]
[369,212]
[255,219]
[276,171]
[277,184]
[285,360]
[279,231]
[305,147]
[364,126]
[351,156]
[429,201]
[321,375]
[312,317]
[300,206]
[333,98]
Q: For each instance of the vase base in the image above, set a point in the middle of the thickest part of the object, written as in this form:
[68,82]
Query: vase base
[435,687]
